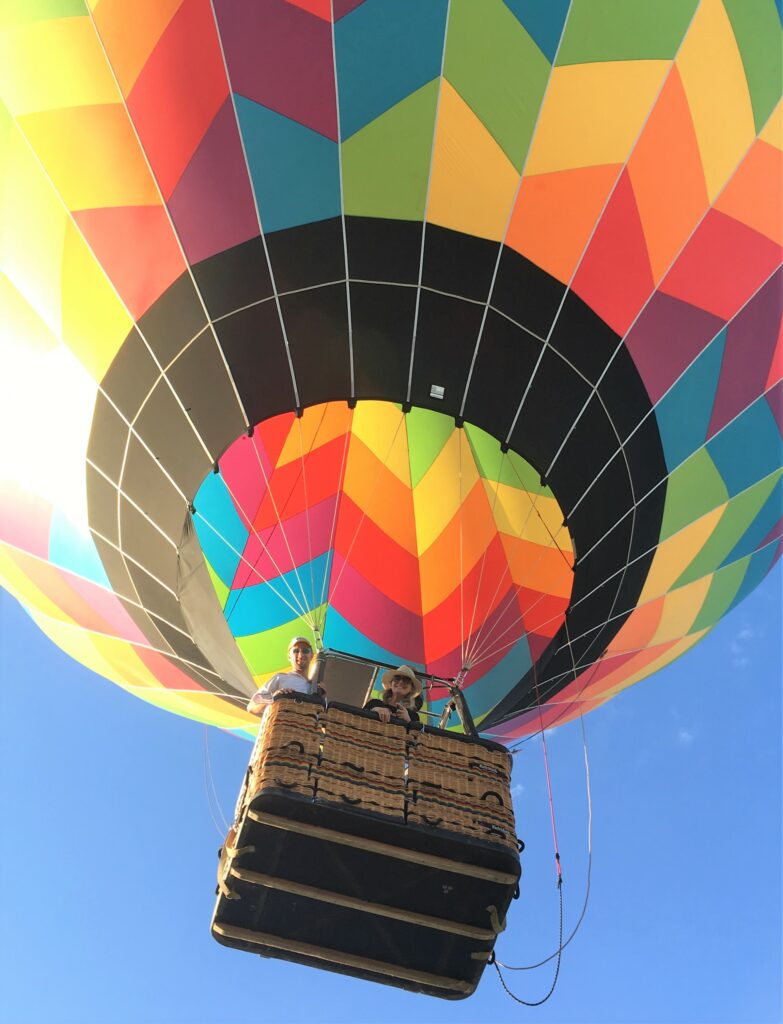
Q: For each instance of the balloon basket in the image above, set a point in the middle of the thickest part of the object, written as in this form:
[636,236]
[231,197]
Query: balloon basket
[384,852]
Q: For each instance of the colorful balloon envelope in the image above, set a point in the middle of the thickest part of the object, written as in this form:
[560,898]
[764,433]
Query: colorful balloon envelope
[445,333]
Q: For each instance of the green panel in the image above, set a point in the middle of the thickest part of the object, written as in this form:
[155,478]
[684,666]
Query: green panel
[428,432]
[498,70]
[221,589]
[599,30]
[694,488]
[386,164]
[266,652]
[18,12]
[741,512]
[757,30]
[510,469]
[725,584]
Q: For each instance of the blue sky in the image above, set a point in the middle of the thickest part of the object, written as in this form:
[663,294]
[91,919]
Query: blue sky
[109,854]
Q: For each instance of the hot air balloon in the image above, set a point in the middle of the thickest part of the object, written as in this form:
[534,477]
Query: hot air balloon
[447,334]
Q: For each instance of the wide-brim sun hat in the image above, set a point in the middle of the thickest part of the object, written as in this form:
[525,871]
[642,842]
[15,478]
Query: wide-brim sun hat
[403,670]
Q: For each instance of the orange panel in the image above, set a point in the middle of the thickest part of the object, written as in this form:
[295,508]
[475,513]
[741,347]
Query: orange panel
[130,40]
[555,214]
[754,195]
[667,177]
[639,628]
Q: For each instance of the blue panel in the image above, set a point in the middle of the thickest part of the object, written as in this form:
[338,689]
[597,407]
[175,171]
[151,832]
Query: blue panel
[268,605]
[765,521]
[759,566]
[684,413]
[483,695]
[748,449]
[385,51]
[219,527]
[295,173]
[74,550]
[542,20]
[340,635]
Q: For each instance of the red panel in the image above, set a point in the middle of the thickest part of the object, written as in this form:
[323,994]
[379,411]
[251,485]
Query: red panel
[137,248]
[172,677]
[615,278]
[320,8]
[178,93]
[287,494]
[722,265]
[384,563]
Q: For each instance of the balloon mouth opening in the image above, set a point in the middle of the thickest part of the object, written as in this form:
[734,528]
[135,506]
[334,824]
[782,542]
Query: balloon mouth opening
[393,534]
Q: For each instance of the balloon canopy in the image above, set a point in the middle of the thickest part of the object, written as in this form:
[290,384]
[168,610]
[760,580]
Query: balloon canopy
[446,332]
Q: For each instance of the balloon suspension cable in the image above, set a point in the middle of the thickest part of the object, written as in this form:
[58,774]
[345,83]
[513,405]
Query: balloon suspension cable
[213,801]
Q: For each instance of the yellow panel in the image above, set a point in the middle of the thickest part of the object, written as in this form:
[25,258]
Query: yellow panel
[92,156]
[20,320]
[680,610]
[473,182]
[55,63]
[443,488]
[593,113]
[80,645]
[317,426]
[27,593]
[675,554]
[381,426]
[199,707]
[530,517]
[773,129]
[713,78]
[33,227]
[95,323]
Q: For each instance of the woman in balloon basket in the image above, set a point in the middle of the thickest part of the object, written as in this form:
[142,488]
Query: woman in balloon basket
[401,696]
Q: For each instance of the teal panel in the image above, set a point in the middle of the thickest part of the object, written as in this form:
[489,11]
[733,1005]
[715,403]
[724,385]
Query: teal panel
[273,603]
[760,564]
[684,413]
[542,20]
[748,449]
[74,550]
[765,521]
[219,527]
[384,52]
[487,692]
[295,171]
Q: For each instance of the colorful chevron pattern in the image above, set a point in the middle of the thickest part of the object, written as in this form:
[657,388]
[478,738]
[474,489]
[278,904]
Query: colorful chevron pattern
[393,537]
[632,152]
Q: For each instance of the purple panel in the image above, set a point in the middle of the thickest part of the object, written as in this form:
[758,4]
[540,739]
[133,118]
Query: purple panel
[343,7]
[774,534]
[302,537]
[666,339]
[212,205]
[281,57]
[750,346]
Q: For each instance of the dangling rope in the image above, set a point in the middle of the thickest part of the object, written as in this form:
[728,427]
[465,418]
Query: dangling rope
[562,945]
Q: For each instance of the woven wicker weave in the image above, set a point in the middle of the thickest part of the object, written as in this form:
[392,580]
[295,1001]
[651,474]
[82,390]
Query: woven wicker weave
[349,760]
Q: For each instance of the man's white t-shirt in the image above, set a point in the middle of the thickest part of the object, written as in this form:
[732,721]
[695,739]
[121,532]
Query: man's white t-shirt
[281,681]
